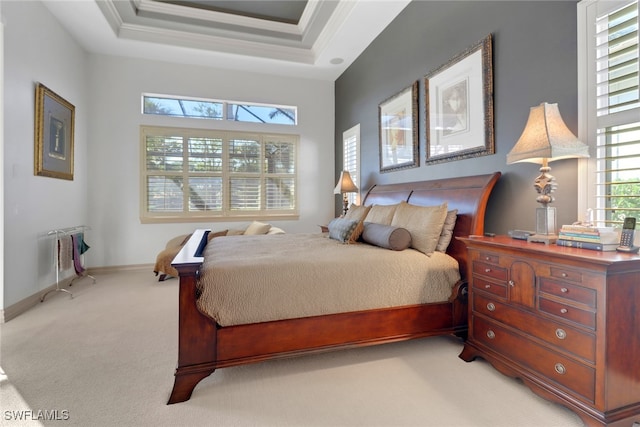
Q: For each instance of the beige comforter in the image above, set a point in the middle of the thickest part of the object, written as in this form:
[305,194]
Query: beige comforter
[250,279]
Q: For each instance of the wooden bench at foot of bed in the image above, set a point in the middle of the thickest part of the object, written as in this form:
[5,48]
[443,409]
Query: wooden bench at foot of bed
[204,346]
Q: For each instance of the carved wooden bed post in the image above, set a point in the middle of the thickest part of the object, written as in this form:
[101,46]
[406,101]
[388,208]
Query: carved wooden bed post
[197,333]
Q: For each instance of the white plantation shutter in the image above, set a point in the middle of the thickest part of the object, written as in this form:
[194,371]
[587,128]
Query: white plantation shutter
[191,173]
[612,115]
[351,159]
[280,168]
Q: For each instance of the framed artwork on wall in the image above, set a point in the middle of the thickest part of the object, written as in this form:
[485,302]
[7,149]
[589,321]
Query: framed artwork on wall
[398,130]
[459,106]
[54,127]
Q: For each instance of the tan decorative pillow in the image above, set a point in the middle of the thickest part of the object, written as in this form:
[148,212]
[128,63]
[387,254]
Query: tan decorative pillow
[381,214]
[357,213]
[423,222]
[447,231]
[257,228]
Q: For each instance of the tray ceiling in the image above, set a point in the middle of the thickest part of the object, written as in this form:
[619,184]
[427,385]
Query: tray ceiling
[315,38]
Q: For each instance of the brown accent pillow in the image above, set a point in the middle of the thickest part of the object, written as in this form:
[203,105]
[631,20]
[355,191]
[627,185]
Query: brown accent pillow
[423,222]
[212,234]
[386,236]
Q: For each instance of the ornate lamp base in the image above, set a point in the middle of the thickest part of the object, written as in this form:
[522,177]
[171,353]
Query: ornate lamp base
[545,226]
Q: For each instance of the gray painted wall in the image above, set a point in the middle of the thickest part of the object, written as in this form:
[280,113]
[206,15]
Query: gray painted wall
[534,61]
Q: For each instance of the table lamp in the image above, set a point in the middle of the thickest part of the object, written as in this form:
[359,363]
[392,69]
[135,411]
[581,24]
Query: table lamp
[345,185]
[546,138]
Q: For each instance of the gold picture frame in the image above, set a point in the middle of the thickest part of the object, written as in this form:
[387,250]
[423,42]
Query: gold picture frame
[398,130]
[54,134]
[459,106]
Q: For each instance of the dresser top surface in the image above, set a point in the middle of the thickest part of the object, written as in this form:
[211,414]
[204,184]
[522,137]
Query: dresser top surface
[555,251]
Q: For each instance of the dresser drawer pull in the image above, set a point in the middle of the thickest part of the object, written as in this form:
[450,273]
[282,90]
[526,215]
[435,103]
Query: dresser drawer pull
[487,270]
[561,333]
[560,368]
[564,274]
[564,290]
[488,258]
[490,334]
[491,306]
[564,311]
[512,283]
[487,286]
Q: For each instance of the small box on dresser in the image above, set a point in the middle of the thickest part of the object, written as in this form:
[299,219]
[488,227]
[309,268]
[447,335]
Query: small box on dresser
[564,320]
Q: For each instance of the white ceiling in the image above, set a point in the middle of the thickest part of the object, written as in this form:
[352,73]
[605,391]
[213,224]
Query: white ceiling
[329,31]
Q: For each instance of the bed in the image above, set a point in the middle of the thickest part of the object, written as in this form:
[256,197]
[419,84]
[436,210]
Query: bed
[205,344]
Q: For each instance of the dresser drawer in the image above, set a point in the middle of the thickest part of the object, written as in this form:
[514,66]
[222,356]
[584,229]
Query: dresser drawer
[573,376]
[489,257]
[568,291]
[490,270]
[565,338]
[565,274]
[480,284]
[568,312]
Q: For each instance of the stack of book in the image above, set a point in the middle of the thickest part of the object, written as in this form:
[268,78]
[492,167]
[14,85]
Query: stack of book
[585,237]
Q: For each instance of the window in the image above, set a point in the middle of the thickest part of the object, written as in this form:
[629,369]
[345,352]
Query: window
[351,159]
[610,109]
[191,174]
[163,105]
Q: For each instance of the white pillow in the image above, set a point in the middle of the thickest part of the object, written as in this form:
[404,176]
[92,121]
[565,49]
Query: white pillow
[275,230]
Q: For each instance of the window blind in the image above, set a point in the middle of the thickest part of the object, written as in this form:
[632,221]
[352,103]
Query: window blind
[351,159]
[194,173]
[618,115]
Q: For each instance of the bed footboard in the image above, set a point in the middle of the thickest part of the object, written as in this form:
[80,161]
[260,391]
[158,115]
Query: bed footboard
[197,333]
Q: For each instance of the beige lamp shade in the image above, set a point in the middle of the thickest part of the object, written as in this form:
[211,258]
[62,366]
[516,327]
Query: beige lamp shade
[546,138]
[345,184]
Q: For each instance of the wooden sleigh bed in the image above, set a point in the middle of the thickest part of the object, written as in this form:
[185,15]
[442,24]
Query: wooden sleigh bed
[205,346]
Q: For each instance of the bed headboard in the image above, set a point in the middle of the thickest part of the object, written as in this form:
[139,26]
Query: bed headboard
[468,194]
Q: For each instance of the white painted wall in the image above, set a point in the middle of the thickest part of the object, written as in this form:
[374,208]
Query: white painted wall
[38,49]
[106,91]
[116,85]
[1,164]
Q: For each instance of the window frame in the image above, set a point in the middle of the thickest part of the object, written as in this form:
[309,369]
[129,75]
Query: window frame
[352,137]
[588,11]
[225,105]
[225,213]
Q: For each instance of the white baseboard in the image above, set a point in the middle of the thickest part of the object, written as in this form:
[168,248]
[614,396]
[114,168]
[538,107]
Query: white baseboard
[25,304]
[31,301]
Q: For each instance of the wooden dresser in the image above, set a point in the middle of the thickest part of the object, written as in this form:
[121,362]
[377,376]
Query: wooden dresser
[564,320]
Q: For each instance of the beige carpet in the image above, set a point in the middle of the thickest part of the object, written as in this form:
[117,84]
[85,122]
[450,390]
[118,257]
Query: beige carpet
[107,356]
